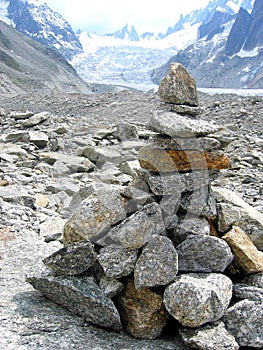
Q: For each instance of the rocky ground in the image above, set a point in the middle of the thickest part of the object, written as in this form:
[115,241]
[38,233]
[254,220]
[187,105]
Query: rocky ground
[49,160]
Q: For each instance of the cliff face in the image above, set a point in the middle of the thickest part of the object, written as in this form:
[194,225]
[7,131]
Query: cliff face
[231,57]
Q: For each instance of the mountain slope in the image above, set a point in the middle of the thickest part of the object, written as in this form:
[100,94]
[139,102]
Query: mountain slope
[37,21]
[231,59]
[26,65]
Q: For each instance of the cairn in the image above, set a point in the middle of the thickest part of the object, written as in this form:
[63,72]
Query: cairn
[136,256]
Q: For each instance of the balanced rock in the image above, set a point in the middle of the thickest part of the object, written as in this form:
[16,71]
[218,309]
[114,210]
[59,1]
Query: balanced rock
[157,264]
[178,86]
[80,295]
[210,337]
[73,259]
[248,218]
[197,298]
[202,253]
[142,311]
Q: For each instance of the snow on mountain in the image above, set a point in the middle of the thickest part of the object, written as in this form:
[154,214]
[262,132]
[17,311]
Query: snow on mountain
[231,58]
[36,20]
[4,12]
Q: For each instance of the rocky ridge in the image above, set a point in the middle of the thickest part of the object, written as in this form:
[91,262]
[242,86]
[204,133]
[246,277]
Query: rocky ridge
[52,161]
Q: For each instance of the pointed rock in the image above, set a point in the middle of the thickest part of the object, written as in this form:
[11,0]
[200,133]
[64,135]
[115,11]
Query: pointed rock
[178,86]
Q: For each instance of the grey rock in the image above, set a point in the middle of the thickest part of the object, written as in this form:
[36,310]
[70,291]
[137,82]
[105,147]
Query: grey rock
[17,136]
[177,183]
[197,298]
[202,253]
[185,144]
[63,184]
[170,205]
[17,194]
[110,286]
[73,259]
[228,215]
[100,155]
[80,295]
[157,264]
[255,280]
[178,86]
[36,119]
[244,321]
[20,115]
[126,131]
[139,228]
[75,163]
[38,138]
[244,291]
[189,226]
[175,125]
[117,261]
[95,216]
[200,202]
[211,337]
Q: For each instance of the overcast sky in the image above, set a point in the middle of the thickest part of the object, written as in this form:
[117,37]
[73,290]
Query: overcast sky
[104,16]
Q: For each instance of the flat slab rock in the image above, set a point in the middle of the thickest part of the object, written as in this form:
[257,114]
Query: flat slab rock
[166,161]
[175,125]
[80,295]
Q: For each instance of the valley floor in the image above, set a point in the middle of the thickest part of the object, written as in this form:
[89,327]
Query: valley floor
[27,319]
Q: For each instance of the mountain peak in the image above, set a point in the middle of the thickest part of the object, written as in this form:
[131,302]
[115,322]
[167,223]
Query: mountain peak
[128,32]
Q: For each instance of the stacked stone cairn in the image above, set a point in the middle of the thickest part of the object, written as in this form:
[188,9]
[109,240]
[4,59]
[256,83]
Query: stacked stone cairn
[144,255]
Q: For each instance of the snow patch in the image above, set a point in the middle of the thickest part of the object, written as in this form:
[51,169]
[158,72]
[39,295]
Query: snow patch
[243,53]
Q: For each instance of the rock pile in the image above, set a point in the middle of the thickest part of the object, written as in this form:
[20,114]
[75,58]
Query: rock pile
[140,254]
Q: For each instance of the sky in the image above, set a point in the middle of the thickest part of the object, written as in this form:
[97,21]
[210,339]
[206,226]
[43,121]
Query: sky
[107,16]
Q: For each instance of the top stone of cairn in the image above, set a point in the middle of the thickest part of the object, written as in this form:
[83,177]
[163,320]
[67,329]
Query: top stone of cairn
[178,87]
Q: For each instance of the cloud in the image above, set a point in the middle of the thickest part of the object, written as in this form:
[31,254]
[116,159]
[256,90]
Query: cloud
[107,16]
